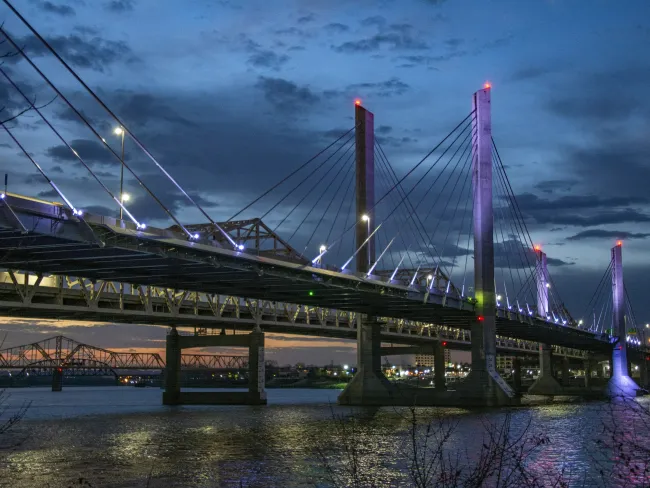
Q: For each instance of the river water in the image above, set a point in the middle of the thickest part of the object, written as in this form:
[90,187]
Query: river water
[124,437]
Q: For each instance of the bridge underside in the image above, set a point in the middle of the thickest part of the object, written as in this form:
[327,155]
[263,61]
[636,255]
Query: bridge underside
[53,241]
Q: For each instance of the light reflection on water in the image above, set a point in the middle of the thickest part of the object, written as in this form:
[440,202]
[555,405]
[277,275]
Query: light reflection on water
[117,437]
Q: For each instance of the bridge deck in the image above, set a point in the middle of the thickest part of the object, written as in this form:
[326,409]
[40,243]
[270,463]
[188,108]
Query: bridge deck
[45,237]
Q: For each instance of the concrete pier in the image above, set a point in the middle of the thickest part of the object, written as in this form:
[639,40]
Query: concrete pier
[369,386]
[483,386]
[620,383]
[256,395]
[57,379]
[439,367]
[516,375]
[545,384]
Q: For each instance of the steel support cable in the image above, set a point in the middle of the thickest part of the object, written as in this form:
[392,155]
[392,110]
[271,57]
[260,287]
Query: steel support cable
[518,212]
[384,167]
[427,192]
[315,170]
[410,172]
[453,218]
[380,246]
[460,173]
[519,224]
[413,227]
[76,155]
[40,170]
[343,200]
[347,219]
[92,129]
[318,182]
[322,217]
[462,222]
[297,170]
[513,233]
[413,223]
[500,186]
[627,297]
[600,288]
[503,242]
[117,119]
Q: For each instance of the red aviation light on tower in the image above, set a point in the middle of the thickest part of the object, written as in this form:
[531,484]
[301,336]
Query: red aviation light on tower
[619,243]
[487,85]
[357,102]
[538,247]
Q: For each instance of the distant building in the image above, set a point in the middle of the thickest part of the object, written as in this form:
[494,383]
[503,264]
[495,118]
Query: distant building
[426,360]
[505,363]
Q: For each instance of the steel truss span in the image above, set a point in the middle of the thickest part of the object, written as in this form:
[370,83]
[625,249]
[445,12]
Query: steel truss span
[68,354]
[24,294]
[46,238]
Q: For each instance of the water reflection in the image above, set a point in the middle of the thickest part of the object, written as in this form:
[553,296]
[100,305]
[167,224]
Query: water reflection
[279,445]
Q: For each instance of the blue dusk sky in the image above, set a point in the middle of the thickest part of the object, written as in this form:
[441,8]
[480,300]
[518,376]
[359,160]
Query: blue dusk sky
[232,95]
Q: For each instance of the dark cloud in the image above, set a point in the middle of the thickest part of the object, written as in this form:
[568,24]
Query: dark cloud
[81,51]
[553,186]
[374,20]
[268,59]
[533,73]
[52,8]
[306,19]
[384,129]
[48,194]
[388,88]
[285,95]
[120,5]
[606,234]
[397,37]
[261,57]
[92,152]
[336,27]
[530,201]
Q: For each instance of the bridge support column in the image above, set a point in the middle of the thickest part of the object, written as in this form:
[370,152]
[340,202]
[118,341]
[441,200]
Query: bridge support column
[565,371]
[643,371]
[439,367]
[57,379]
[254,396]
[483,386]
[256,371]
[172,393]
[516,375]
[365,187]
[369,386]
[588,365]
[545,384]
[620,383]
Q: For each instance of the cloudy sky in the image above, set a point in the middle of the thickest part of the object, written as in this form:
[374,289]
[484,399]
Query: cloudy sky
[231,95]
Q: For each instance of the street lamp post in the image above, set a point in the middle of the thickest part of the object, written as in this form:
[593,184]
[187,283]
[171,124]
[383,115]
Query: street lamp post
[365,218]
[120,132]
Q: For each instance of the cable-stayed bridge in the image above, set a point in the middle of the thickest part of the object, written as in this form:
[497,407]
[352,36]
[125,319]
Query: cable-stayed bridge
[445,246]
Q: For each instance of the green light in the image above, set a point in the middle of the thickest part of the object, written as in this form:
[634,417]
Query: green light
[311,293]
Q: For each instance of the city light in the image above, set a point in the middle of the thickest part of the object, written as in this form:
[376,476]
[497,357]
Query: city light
[498,297]
[125,197]
[323,248]
[311,293]
[118,131]
[365,218]
[345,367]
[240,247]
[429,277]
[548,285]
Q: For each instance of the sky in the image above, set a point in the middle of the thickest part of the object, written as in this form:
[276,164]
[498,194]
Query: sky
[231,95]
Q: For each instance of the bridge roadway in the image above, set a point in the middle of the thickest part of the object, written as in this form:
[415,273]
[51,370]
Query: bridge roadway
[46,238]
